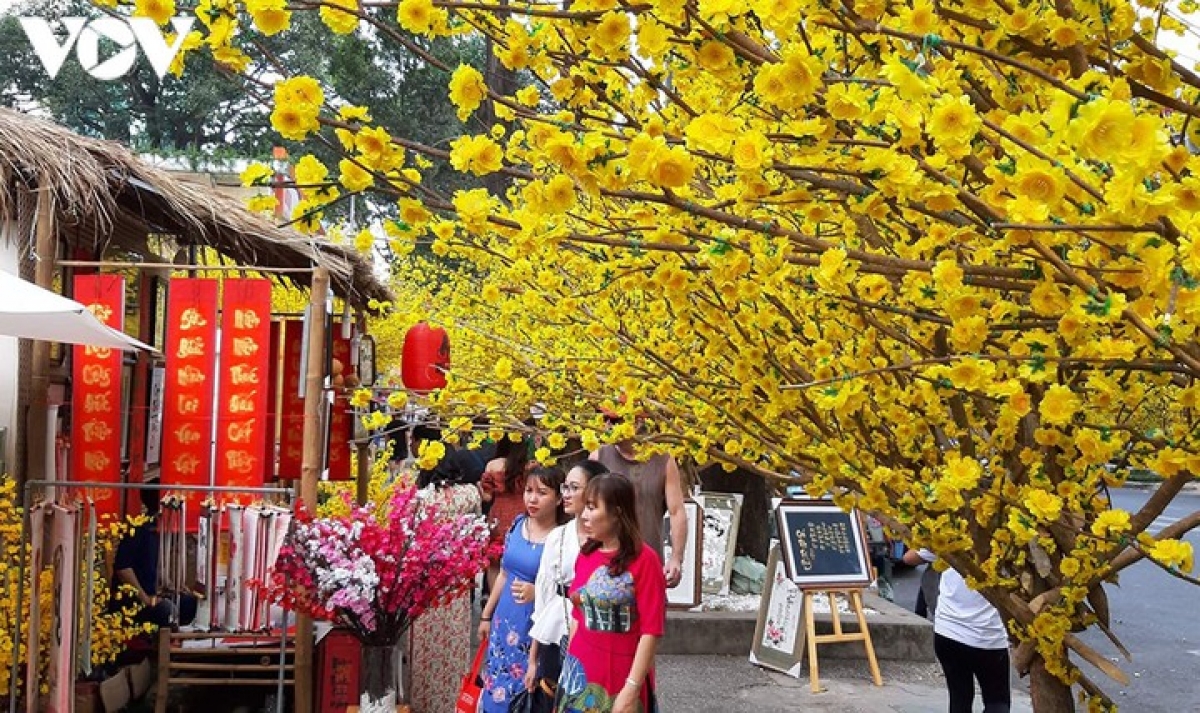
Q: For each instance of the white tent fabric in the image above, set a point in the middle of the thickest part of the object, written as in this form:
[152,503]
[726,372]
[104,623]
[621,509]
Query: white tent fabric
[31,312]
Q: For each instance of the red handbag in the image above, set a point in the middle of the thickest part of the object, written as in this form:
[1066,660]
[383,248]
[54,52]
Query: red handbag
[471,690]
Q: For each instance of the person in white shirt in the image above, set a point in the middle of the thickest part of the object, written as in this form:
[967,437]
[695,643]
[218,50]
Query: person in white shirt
[970,641]
[551,607]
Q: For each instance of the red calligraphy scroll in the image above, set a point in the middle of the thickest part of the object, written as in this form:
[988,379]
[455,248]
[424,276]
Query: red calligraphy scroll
[96,386]
[341,423]
[291,436]
[269,442]
[191,349]
[244,373]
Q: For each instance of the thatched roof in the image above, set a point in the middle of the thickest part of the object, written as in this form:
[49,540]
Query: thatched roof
[106,196]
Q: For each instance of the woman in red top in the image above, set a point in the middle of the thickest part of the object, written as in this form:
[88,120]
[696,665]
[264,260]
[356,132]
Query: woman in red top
[620,597]
[503,488]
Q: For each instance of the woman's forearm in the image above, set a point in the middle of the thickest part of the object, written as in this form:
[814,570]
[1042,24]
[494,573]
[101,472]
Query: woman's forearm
[643,661]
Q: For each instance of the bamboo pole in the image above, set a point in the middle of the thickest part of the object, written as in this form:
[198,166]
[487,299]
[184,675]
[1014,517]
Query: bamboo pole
[362,448]
[39,405]
[176,267]
[310,468]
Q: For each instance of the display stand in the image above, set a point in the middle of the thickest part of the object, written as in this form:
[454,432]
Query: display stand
[854,597]
[226,660]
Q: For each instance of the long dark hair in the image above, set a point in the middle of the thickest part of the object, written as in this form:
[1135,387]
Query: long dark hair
[620,501]
[516,462]
[553,479]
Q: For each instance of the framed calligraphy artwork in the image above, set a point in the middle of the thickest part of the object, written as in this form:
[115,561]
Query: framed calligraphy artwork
[722,515]
[96,424]
[779,633]
[823,546]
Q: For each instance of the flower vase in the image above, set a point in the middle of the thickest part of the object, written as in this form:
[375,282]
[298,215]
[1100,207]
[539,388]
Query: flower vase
[377,679]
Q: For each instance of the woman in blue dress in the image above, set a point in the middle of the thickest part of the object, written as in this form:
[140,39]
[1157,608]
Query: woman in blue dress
[508,614]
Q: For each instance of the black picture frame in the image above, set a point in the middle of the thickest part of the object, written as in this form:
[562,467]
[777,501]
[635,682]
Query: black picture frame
[815,566]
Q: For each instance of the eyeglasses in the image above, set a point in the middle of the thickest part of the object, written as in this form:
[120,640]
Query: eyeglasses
[569,488]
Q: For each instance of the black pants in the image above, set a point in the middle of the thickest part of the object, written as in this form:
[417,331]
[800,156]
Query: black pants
[963,665]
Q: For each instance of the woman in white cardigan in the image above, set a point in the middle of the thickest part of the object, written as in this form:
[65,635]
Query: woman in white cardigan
[552,608]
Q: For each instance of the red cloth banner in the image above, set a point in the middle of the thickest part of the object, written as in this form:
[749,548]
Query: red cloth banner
[244,374]
[269,442]
[341,423]
[291,435]
[96,385]
[191,350]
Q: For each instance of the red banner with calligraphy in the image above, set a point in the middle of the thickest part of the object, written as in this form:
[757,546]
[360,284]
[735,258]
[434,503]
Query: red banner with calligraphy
[272,401]
[191,350]
[96,394]
[242,400]
[341,421]
[291,434]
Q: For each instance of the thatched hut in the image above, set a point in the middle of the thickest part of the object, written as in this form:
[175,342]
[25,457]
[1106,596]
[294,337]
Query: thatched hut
[87,199]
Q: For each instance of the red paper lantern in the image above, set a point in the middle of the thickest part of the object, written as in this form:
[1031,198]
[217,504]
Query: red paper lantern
[426,358]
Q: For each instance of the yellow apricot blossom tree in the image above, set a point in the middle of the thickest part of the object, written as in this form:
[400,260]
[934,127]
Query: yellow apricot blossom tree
[935,258]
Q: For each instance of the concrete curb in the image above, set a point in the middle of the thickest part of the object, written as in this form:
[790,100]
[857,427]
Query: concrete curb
[898,634]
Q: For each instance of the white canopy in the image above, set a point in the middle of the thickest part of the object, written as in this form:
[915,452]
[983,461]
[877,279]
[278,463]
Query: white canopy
[31,312]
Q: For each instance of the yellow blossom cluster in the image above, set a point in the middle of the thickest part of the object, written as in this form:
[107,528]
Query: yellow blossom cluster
[940,259]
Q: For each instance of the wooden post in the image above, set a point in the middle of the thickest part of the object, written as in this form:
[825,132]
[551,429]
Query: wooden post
[310,468]
[362,450]
[39,404]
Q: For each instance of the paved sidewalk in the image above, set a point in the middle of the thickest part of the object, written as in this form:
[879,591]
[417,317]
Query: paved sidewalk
[724,684]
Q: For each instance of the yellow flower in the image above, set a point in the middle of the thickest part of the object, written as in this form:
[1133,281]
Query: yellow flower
[611,35]
[1176,554]
[953,124]
[364,241]
[397,400]
[303,92]
[1102,128]
[467,90]
[475,154]
[361,398]
[715,56]
[292,123]
[338,15]
[419,17]
[653,37]
[1043,505]
[1059,405]
[430,454]
[752,151]
[559,195]
[557,441]
[354,177]
[672,168]
[256,174]
[161,11]
[971,374]
[270,16]
[351,112]
[310,171]
[1111,522]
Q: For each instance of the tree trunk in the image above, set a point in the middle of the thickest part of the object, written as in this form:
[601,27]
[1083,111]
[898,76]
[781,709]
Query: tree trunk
[1049,694]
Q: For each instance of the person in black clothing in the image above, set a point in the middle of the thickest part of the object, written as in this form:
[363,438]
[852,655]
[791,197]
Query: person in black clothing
[460,466]
[136,567]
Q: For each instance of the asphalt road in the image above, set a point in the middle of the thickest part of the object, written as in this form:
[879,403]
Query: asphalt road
[1156,617]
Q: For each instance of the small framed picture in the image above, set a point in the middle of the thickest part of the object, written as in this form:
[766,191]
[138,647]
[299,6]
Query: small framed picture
[686,594]
[779,635]
[722,515]
[823,546]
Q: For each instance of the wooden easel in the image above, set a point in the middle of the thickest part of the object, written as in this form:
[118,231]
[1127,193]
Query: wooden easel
[854,597]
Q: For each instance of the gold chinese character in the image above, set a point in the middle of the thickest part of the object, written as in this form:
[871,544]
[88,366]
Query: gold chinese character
[242,374]
[187,435]
[95,461]
[98,352]
[97,403]
[240,431]
[187,464]
[245,346]
[190,347]
[240,461]
[245,319]
[294,452]
[242,404]
[100,311]
[188,404]
[191,319]
[97,375]
[96,431]
[189,376]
